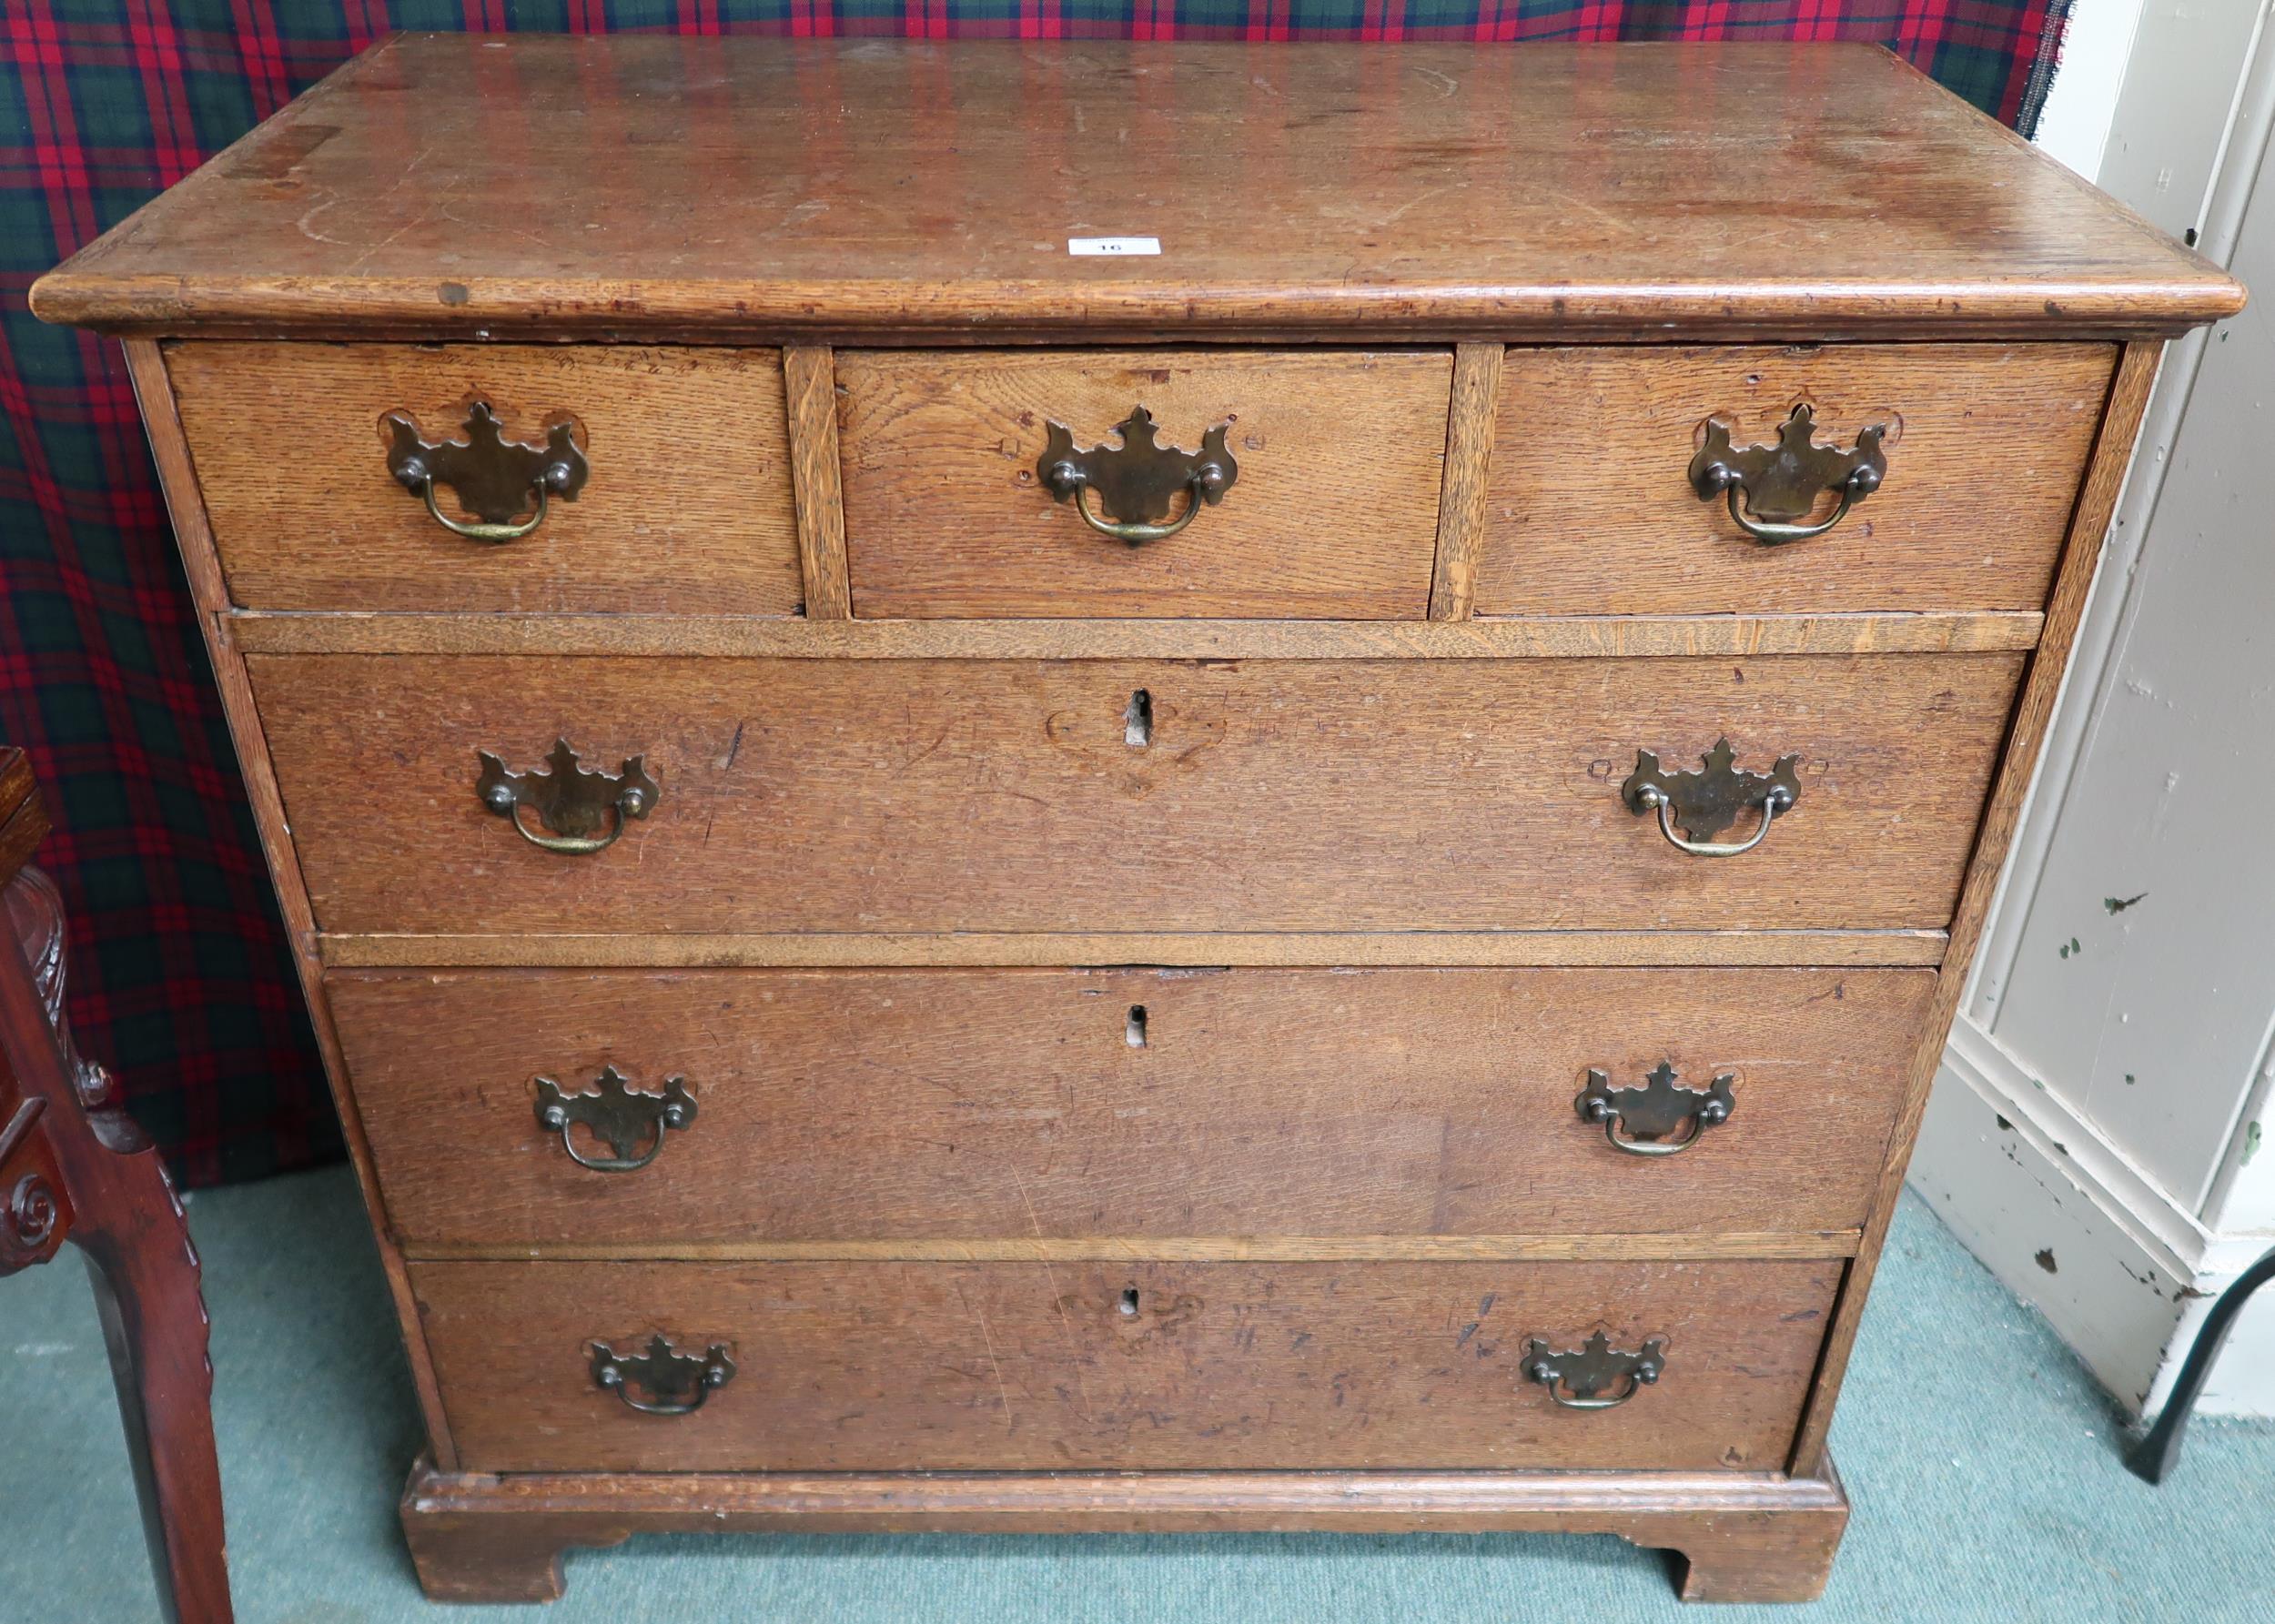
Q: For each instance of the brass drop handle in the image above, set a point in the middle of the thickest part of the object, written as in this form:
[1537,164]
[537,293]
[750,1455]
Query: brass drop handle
[631,1122]
[1140,479]
[485,532]
[494,476]
[1135,533]
[1651,1113]
[1704,802]
[1771,533]
[677,1383]
[586,811]
[1780,483]
[1776,801]
[570,800]
[1595,1376]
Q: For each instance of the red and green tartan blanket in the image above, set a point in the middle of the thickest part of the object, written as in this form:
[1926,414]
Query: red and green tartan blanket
[181,981]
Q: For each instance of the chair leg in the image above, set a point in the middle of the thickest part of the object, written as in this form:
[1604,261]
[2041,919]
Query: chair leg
[154,1324]
[2160,1451]
[123,1215]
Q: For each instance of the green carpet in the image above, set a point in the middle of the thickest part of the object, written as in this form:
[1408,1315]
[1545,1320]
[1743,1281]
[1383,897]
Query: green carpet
[1982,1461]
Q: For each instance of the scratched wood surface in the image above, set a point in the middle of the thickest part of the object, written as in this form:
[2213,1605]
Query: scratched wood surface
[1735,1536]
[1003,1367]
[1203,949]
[1462,495]
[1543,636]
[1122,1103]
[687,509]
[809,384]
[908,795]
[1591,510]
[764,186]
[1332,514]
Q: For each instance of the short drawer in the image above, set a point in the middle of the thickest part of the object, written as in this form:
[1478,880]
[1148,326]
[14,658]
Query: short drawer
[1592,508]
[861,1367]
[881,795]
[1331,512]
[682,504]
[1065,1103]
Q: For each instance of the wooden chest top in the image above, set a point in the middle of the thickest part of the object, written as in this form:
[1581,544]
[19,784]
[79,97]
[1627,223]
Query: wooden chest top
[746,188]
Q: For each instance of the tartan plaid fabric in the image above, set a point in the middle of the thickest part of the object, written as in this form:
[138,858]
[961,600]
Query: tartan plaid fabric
[180,978]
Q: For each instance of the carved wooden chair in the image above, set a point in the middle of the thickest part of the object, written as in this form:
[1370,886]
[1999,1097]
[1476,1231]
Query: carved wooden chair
[74,1165]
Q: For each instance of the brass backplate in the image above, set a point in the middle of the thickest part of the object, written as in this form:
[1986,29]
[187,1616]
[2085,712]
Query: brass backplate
[1138,479]
[1595,1367]
[1706,801]
[496,480]
[1661,1106]
[1783,481]
[568,799]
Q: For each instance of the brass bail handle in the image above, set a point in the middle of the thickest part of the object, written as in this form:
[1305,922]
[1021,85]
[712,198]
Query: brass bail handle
[495,477]
[1136,533]
[632,1122]
[1780,483]
[677,1383]
[1694,807]
[1595,1375]
[1776,801]
[586,809]
[1640,1122]
[1138,479]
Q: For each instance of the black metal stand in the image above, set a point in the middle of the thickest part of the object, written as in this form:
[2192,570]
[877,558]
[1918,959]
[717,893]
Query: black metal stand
[2155,1454]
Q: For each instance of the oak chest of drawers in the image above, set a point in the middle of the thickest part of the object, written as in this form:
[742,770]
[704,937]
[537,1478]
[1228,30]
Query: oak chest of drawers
[1134,788]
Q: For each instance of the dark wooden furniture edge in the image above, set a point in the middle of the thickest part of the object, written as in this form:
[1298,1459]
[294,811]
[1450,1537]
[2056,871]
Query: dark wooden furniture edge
[2112,316]
[106,1191]
[1737,1537]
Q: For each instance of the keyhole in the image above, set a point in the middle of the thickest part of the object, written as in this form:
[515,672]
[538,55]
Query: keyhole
[1137,721]
[1129,1300]
[1134,1033]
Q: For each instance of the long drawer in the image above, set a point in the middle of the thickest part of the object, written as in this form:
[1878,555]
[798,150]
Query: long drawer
[867,795]
[1090,1367]
[844,1105]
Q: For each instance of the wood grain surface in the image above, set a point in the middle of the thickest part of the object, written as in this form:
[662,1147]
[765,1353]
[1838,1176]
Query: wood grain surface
[1332,515]
[1004,796]
[1548,637]
[1010,1366]
[834,187]
[1204,950]
[1591,509]
[809,382]
[1463,495]
[688,508]
[1740,1537]
[1122,1102]
[1531,1245]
